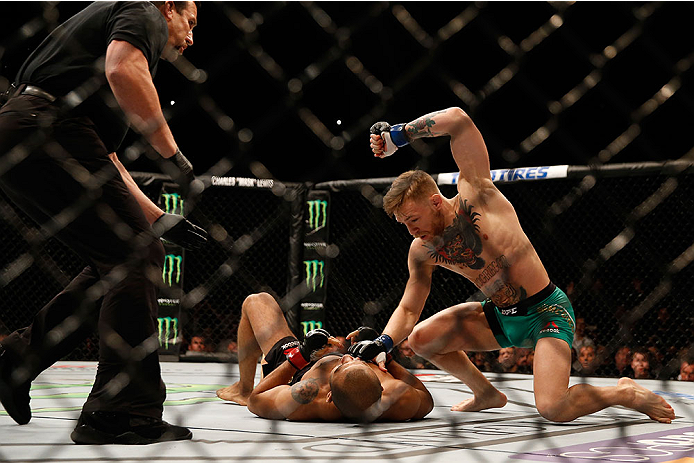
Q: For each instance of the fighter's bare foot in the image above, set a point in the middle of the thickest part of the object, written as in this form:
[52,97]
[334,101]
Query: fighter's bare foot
[647,402]
[234,393]
[492,399]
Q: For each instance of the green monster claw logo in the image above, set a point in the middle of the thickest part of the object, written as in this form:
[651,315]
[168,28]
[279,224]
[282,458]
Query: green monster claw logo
[314,274]
[311,325]
[317,214]
[173,203]
[168,331]
[172,269]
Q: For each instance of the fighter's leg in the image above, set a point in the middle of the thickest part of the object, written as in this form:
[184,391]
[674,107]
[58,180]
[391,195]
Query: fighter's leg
[262,325]
[558,402]
[443,338]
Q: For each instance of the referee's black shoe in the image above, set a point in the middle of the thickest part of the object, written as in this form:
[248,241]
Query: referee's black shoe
[14,397]
[123,428]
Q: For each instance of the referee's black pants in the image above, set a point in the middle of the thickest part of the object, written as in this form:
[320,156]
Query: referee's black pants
[57,170]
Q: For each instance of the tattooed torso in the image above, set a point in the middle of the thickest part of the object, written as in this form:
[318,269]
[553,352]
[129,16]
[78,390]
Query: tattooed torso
[485,241]
[491,258]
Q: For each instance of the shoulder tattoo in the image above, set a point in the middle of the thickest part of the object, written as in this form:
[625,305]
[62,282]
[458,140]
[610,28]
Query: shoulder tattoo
[305,391]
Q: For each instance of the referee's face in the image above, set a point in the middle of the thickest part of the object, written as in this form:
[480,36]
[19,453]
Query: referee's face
[181,24]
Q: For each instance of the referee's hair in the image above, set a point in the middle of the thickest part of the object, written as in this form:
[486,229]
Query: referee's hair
[178,5]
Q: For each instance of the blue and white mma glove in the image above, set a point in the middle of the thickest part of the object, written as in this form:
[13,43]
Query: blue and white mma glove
[393,137]
[375,350]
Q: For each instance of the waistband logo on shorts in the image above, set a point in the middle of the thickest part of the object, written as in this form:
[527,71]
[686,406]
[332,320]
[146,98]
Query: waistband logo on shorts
[509,311]
[289,345]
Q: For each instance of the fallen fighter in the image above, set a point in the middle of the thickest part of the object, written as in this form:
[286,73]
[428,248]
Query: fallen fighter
[311,380]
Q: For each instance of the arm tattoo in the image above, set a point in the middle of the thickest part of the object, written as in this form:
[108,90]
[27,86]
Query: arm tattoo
[304,392]
[422,127]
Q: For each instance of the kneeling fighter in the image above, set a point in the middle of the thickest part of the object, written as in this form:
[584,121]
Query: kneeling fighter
[310,380]
[477,234]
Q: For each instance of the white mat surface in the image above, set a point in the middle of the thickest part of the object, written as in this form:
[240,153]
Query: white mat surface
[227,432]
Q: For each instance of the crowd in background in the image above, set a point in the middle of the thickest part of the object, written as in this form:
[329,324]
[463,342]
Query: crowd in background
[657,346]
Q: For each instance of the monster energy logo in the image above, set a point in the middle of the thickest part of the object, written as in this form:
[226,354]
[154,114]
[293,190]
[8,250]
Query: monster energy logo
[173,203]
[311,325]
[317,214]
[172,269]
[168,331]
[314,274]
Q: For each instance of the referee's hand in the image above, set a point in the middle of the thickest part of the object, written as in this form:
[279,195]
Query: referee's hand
[178,230]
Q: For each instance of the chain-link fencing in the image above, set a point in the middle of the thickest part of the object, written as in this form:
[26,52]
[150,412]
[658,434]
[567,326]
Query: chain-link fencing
[287,91]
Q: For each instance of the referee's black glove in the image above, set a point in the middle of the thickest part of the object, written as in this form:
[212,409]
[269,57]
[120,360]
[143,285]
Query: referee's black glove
[179,231]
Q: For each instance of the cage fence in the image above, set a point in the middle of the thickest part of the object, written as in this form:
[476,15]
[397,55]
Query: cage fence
[612,239]
[617,242]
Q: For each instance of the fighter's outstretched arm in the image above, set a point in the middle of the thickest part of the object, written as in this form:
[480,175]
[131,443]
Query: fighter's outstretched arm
[425,400]
[405,315]
[467,144]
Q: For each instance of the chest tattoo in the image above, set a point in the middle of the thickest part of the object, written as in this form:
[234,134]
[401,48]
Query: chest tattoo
[462,244]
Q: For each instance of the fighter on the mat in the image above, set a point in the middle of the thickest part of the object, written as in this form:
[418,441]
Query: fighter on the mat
[311,380]
[477,234]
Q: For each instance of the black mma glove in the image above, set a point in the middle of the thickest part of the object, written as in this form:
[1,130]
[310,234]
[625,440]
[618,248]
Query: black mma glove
[375,350]
[178,230]
[365,333]
[314,341]
[393,137]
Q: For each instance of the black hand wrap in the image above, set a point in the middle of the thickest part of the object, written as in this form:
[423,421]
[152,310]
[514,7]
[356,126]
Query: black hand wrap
[179,168]
[314,340]
[184,166]
[179,231]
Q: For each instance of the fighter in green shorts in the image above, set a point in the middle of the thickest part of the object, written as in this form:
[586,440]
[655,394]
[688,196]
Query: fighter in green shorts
[547,314]
[478,235]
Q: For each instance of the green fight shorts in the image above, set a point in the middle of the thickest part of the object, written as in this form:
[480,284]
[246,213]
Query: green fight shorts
[547,314]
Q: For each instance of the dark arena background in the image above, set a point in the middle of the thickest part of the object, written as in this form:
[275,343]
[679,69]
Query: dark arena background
[273,105]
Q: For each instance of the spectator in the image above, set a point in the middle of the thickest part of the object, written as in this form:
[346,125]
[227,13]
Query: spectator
[570,290]
[481,360]
[640,364]
[228,350]
[232,346]
[580,337]
[524,360]
[686,370]
[506,361]
[197,344]
[657,360]
[587,360]
[622,360]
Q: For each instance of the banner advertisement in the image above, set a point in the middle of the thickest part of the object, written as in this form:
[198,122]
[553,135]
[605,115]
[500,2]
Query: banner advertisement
[170,293]
[315,263]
